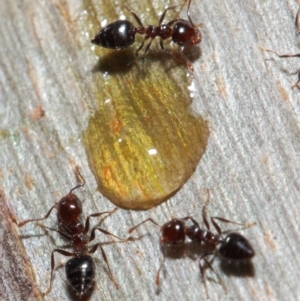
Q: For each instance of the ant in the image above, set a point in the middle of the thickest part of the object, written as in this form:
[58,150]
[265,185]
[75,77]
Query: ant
[121,34]
[288,56]
[80,269]
[232,248]
[297,25]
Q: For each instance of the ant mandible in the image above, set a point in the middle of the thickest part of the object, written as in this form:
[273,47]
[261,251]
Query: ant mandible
[121,34]
[234,247]
[80,269]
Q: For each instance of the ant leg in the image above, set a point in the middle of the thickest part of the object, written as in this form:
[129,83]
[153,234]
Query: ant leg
[93,250]
[202,271]
[224,220]
[65,235]
[161,43]
[204,212]
[283,55]
[157,281]
[147,48]
[298,82]
[164,13]
[288,56]
[65,253]
[140,47]
[92,236]
[36,219]
[297,22]
[78,173]
[214,218]
[209,265]
[186,60]
[87,221]
[191,219]
[138,20]
[146,220]
[145,53]
[174,54]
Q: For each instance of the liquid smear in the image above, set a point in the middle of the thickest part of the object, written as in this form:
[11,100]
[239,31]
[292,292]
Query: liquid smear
[142,142]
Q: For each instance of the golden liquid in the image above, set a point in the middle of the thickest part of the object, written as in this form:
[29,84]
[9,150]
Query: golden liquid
[142,142]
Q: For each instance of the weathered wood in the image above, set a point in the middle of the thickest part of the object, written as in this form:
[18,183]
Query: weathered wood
[17,281]
[251,165]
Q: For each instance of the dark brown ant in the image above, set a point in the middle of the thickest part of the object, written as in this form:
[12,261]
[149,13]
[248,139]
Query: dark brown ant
[288,56]
[121,34]
[80,269]
[234,247]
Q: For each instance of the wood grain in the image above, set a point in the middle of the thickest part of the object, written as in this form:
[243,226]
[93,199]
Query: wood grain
[251,165]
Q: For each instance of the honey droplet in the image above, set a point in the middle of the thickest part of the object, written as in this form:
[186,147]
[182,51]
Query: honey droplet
[143,144]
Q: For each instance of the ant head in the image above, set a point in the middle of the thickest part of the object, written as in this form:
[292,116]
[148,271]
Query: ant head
[173,232]
[236,247]
[186,34]
[69,208]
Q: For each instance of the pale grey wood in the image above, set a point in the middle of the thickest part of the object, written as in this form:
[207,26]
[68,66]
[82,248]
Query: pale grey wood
[251,165]
[16,273]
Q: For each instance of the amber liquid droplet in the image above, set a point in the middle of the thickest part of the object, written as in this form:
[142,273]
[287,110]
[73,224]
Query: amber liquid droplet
[142,142]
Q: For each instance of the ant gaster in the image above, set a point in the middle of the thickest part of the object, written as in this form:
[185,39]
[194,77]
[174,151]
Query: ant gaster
[121,34]
[234,247]
[80,269]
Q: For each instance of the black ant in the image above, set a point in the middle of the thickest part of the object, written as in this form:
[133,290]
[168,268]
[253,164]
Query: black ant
[121,34]
[234,247]
[80,269]
[288,56]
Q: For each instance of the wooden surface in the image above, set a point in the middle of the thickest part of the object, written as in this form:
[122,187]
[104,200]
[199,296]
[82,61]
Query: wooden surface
[251,165]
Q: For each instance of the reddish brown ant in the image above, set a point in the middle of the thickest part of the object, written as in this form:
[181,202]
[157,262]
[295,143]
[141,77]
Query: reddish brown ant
[234,247]
[80,269]
[121,34]
[288,56]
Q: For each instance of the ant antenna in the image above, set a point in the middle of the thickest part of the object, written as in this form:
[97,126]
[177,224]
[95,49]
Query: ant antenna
[157,279]
[81,178]
[188,13]
[204,211]
[137,19]
[169,209]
